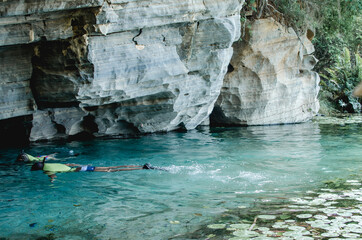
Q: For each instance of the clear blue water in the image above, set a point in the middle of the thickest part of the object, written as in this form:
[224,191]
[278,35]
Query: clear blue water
[210,170]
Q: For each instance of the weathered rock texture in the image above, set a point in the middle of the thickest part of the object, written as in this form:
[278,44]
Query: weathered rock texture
[270,79]
[98,68]
[16,97]
[114,67]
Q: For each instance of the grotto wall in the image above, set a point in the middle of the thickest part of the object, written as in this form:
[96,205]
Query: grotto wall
[99,68]
[270,79]
[114,67]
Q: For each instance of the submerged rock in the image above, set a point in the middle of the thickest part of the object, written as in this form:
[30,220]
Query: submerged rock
[327,222]
[217,226]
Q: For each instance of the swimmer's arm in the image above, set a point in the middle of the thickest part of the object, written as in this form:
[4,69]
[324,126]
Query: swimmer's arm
[73,165]
[50,156]
[51,175]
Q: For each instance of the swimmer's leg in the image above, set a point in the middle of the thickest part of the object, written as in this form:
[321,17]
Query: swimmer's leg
[110,169]
[52,156]
[123,166]
[124,169]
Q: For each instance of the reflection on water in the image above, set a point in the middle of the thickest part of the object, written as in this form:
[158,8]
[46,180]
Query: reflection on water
[210,170]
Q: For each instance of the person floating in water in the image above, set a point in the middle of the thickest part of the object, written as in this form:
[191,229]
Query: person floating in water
[27,158]
[52,168]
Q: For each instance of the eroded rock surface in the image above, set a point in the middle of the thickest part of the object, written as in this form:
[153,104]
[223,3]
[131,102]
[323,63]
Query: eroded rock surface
[114,67]
[270,79]
[16,97]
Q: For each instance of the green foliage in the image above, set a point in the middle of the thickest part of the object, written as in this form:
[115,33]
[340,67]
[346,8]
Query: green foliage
[252,5]
[340,80]
[339,31]
[337,25]
[293,13]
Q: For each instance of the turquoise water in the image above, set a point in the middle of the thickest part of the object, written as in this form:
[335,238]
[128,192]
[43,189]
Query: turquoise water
[210,171]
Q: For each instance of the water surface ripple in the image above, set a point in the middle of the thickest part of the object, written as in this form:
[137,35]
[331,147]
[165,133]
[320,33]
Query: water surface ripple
[209,171]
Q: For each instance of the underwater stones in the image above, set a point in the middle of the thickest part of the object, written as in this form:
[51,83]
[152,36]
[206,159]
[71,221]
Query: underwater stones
[216,226]
[317,201]
[245,233]
[284,216]
[266,232]
[320,217]
[263,238]
[296,228]
[263,229]
[318,224]
[280,225]
[355,184]
[345,214]
[296,233]
[329,196]
[354,228]
[268,88]
[240,226]
[357,218]
[267,217]
[339,120]
[175,222]
[332,222]
[299,201]
[352,181]
[329,203]
[303,238]
[302,216]
[351,235]
[290,221]
[242,207]
[330,234]
[230,229]
[320,200]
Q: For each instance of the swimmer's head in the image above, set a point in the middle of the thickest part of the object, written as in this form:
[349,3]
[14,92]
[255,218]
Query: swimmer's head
[22,158]
[37,166]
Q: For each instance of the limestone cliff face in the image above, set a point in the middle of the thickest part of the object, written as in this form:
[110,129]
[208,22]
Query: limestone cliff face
[270,79]
[115,67]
